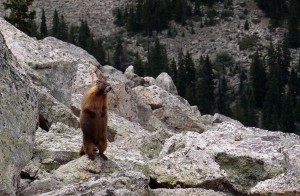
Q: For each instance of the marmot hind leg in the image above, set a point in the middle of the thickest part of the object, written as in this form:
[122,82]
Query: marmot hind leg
[81,152]
[87,148]
[102,145]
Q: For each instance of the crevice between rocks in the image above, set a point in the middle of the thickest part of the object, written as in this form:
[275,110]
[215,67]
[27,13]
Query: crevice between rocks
[219,186]
[44,123]
[25,175]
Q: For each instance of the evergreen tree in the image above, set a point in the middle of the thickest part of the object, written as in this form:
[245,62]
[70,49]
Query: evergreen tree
[258,80]
[100,53]
[297,112]
[252,121]
[119,21]
[293,36]
[275,9]
[294,86]
[205,88]
[158,61]
[285,62]
[272,101]
[131,21]
[73,35]
[138,65]
[33,31]
[180,11]
[62,33]
[190,69]
[222,98]
[287,122]
[55,24]
[197,8]
[173,71]
[84,34]
[20,16]
[190,78]
[246,25]
[91,46]
[181,79]
[43,28]
[119,57]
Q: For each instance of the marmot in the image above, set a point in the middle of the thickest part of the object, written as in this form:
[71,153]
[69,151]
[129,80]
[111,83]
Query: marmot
[93,119]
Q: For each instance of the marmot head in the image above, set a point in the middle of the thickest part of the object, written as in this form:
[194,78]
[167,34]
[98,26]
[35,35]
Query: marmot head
[103,86]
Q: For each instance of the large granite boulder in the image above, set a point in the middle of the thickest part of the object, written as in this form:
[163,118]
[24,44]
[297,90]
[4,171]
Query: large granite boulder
[165,81]
[171,109]
[230,157]
[18,117]
[123,100]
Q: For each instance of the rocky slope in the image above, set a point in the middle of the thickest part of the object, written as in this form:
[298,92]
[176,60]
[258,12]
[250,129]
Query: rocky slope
[158,143]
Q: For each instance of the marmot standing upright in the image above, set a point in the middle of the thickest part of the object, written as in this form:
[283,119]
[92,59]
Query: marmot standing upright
[93,119]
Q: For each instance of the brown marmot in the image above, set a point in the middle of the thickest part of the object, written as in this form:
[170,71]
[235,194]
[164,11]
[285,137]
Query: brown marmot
[93,119]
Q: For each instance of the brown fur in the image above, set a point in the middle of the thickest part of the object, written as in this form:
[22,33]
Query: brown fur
[93,120]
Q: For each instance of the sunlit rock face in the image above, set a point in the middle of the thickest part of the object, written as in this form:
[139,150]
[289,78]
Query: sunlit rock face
[18,117]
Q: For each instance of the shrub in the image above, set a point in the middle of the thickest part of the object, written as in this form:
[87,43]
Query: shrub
[248,42]
[226,14]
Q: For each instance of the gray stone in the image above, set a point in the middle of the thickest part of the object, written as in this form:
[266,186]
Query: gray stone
[129,73]
[165,81]
[284,184]
[157,97]
[38,187]
[186,191]
[119,183]
[123,100]
[183,162]
[18,117]
[52,111]
[179,119]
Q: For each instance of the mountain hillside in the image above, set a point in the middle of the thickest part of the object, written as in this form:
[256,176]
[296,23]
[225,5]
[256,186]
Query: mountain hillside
[158,143]
[250,49]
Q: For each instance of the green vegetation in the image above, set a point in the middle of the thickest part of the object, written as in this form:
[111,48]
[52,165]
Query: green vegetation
[154,15]
[20,16]
[247,42]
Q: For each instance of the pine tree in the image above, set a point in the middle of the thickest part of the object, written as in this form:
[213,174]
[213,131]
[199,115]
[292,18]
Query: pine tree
[55,24]
[73,35]
[180,11]
[173,71]
[197,7]
[158,61]
[293,35]
[285,62]
[62,33]
[138,65]
[273,98]
[287,122]
[205,88]
[294,86]
[84,34]
[119,21]
[91,46]
[100,53]
[252,121]
[246,25]
[258,80]
[131,21]
[43,28]
[222,98]
[119,57]
[20,16]
[181,78]
[190,78]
